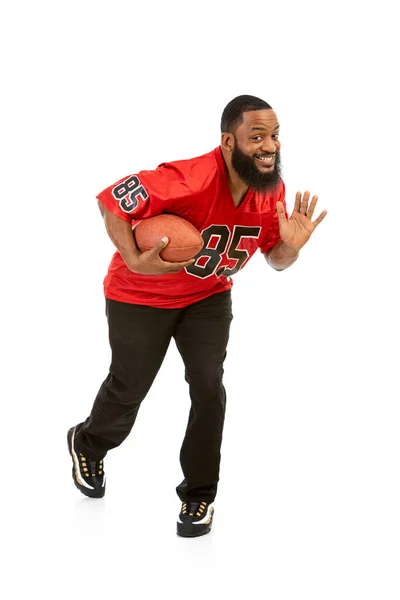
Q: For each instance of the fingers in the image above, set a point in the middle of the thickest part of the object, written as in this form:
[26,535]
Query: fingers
[297,202]
[304,203]
[312,206]
[320,218]
[281,213]
[177,266]
[160,246]
[170,267]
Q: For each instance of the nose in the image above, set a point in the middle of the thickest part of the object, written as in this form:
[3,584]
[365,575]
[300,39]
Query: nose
[269,145]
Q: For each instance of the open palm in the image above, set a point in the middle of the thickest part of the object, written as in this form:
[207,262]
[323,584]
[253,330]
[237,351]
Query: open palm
[296,230]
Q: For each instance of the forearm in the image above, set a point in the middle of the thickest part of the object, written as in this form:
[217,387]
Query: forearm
[281,256]
[120,233]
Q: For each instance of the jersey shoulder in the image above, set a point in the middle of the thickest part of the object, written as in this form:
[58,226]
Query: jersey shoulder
[183,177]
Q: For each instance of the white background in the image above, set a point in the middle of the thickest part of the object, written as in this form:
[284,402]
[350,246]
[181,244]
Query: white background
[308,503]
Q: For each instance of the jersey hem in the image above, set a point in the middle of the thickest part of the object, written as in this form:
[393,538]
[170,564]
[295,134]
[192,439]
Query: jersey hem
[174,303]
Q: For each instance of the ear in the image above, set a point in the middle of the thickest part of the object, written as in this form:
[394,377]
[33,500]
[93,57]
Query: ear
[227,141]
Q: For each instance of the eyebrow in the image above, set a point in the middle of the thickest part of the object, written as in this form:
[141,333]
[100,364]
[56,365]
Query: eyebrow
[262,128]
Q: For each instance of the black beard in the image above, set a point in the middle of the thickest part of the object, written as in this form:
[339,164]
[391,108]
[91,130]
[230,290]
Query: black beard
[251,175]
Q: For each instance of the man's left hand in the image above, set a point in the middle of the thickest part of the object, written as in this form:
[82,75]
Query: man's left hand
[296,230]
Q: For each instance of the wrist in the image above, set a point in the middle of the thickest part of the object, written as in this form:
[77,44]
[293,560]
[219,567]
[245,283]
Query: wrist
[281,256]
[288,250]
[131,260]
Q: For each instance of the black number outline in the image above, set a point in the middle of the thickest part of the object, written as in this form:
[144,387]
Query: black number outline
[234,253]
[223,232]
[128,195]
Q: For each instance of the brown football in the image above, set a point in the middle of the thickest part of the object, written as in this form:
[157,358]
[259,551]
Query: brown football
[184,239]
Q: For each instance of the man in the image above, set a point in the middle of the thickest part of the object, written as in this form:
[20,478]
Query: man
[235,197]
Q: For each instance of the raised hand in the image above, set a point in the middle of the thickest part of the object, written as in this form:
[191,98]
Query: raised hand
[296,230]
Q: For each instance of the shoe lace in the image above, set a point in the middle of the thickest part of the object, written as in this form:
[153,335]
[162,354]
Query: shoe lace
[96,466]
[194,508]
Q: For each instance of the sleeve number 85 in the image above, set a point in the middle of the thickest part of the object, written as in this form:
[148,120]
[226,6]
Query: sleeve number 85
[128,193]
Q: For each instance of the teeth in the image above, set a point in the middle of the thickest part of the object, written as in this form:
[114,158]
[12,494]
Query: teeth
[265,158]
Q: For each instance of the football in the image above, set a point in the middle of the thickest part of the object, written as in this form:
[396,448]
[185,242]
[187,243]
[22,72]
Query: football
[184,239]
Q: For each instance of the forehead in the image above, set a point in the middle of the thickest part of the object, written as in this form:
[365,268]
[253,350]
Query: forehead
[265,119]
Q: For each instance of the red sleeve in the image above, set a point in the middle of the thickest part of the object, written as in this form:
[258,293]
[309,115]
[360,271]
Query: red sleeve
[138,196]
[270,234]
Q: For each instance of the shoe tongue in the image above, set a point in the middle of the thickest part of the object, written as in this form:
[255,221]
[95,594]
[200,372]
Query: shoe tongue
[94,466]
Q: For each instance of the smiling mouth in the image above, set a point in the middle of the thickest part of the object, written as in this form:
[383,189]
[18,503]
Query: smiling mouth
[266,161]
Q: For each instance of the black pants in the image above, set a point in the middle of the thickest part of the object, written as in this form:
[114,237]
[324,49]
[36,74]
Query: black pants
[139,339]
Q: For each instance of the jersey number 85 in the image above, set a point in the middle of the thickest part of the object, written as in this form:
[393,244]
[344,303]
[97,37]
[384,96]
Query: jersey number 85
[215,254]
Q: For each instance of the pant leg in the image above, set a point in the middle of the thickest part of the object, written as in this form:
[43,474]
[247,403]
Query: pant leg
[139,339]
[201,336]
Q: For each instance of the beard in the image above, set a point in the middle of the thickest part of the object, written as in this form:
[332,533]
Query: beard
[248,171]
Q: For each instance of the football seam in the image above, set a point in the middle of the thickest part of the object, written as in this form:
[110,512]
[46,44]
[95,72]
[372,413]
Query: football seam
[168,247]
[184,222]
[188,225]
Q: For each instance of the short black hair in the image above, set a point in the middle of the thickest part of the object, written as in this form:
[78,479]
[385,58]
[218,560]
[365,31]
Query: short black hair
[232,115]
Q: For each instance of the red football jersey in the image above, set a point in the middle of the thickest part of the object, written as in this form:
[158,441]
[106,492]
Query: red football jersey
[197,190]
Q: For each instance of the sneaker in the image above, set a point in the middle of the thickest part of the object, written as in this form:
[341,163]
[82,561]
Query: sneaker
[195,519]
[88,475]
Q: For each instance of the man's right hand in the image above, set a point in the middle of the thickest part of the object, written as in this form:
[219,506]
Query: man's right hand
[150,262]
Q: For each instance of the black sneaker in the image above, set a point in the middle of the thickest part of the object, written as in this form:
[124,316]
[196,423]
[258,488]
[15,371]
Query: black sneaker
[195,519]
[88,475]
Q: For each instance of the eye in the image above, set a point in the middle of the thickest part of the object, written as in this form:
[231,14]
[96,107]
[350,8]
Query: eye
[275,136]
[257,138]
